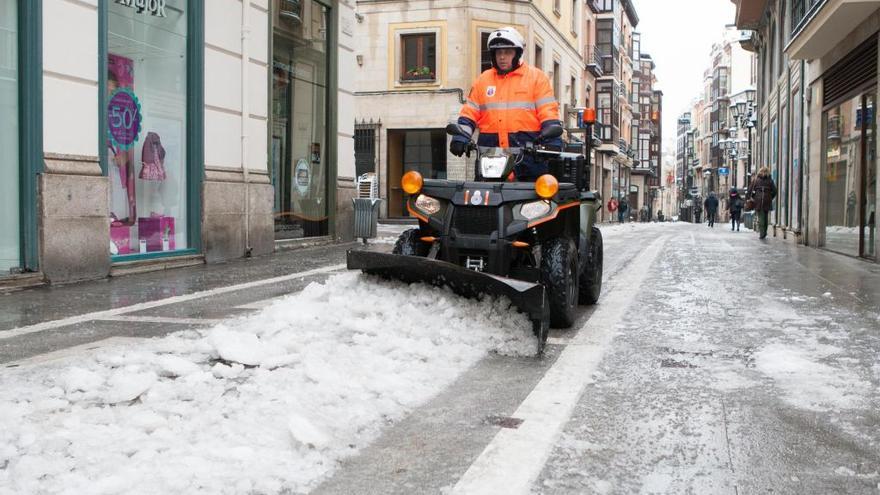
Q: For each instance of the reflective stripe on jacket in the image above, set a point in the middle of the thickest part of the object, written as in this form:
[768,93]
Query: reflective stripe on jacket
[508,108]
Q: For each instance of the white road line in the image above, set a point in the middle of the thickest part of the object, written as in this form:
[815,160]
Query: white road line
[514,458]
[48,325]
[73,351]
[558,341]
[163,319]
[262,304]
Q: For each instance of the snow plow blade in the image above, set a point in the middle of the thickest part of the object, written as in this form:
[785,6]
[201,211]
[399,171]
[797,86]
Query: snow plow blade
[527,297]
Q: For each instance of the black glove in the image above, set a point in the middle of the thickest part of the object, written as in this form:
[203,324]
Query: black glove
[458,148]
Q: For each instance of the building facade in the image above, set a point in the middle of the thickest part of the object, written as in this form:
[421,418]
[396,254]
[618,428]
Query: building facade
[615,23]
[815,126]
[415,66]
[714,135]
[169,132]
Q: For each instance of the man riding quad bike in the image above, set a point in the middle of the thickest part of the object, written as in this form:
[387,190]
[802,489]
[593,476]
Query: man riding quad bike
[532,242]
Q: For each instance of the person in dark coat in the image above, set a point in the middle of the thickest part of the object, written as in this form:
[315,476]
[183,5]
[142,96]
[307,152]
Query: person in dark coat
[735,206]
[622,209]
[711,205]
[762,191]
[698,210]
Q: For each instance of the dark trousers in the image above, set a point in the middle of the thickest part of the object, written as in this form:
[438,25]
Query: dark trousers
[710,216]
[762,222]
[735,220]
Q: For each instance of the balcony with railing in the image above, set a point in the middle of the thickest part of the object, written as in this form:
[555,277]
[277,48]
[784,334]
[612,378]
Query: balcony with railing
[594,61]
[817,26]
[801,13]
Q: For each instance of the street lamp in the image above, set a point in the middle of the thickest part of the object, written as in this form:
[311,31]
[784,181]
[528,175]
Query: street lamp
[744,113]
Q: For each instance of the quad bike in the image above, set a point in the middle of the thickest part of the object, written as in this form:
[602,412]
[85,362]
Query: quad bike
[532,242]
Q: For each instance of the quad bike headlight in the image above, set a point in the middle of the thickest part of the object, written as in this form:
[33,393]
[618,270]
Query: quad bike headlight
[535,209]
[492,167]
[427,204]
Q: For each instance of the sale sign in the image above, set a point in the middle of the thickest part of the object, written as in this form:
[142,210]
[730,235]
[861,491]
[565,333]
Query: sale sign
[123,119]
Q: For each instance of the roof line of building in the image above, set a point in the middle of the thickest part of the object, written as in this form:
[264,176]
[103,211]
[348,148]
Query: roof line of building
[630,10]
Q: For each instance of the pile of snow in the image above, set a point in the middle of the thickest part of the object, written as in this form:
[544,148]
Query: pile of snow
[265,404]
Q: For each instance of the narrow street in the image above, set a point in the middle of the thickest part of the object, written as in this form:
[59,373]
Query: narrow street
[713,363]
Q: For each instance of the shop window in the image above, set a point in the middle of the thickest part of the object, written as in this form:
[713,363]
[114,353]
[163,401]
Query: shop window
[10,231]
[418,57]
[850,177]
[300,61]
[147,124]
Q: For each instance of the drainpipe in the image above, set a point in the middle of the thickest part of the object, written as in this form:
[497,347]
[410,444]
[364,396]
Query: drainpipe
[245,118]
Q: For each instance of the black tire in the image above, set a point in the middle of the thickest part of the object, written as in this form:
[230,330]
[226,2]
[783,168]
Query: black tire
[410,244]
[591,278]
[559,274]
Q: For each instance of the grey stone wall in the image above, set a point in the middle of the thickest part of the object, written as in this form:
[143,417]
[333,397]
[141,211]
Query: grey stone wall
[74,229]
[224,222]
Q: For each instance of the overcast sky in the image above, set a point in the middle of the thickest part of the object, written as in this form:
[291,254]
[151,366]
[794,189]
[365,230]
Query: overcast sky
[679,35]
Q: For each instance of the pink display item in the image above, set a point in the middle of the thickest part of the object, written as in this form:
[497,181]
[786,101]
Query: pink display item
[154,230]
[120,236]
[153,158]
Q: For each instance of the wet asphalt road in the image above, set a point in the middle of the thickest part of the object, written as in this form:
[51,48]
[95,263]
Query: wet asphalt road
[691,393]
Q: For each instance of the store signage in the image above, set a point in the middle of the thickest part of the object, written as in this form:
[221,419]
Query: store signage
[723,171]
[123,119]
[154,7]
[302,177]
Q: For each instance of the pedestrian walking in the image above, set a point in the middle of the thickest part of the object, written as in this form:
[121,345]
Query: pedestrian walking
[711,205]
[735,206]
[698,210]
[762,191]
[622,209]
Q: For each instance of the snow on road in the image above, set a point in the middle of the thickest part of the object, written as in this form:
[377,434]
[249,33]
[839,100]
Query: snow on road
[260,404]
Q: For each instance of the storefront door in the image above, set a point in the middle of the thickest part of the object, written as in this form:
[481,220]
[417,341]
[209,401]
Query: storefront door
[850,176]
[10,228]
[299,131]
[146,118]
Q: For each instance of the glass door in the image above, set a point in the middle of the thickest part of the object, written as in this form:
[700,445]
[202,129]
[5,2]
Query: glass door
[300,78]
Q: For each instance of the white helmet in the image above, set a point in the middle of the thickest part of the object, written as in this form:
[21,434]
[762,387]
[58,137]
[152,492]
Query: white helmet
[506,37]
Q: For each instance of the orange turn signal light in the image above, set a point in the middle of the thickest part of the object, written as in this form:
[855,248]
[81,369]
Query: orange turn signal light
[546,186]
[412,182]
[429,239]
[519,244]
[590,115]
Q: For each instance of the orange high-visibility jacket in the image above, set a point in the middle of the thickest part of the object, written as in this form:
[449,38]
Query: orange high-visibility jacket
[512,107]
